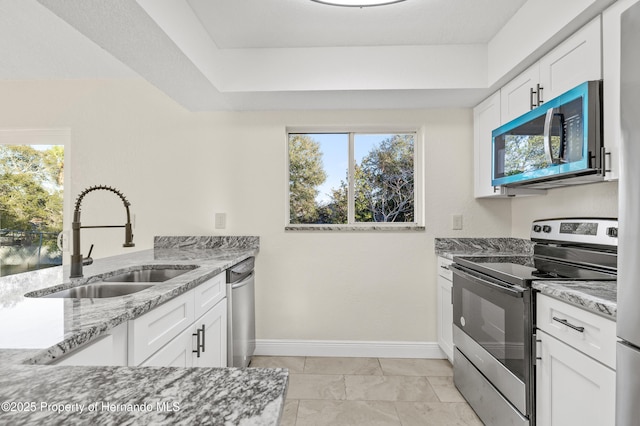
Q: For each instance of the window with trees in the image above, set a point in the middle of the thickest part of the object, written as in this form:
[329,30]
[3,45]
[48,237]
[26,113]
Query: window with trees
[31,204]
[352,178]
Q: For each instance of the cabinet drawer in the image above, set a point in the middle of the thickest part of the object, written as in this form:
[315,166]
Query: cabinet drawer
[597,338]
[209,293]
[443,268]
[156,328]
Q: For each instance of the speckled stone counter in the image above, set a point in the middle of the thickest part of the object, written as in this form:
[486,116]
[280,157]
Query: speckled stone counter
[37,330]
[599,297]
[51,327]
[450,247]
[141,396]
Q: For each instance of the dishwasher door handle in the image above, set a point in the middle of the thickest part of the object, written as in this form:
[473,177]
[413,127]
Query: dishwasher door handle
[243,282]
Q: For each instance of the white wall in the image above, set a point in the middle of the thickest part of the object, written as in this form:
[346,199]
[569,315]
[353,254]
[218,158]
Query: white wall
[178,168]
[592,200]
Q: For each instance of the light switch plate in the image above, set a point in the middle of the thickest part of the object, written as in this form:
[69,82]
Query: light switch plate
[456,222]
[221,220]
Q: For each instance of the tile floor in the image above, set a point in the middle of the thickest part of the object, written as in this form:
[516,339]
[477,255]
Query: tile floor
[370,391]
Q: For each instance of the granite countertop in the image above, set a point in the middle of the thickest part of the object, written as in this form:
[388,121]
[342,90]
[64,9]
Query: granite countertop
[450,247]
[36,394]
[599,297]
[39,330]
[51,327]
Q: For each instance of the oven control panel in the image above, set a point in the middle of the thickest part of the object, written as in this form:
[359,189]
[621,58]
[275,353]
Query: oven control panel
[576,230]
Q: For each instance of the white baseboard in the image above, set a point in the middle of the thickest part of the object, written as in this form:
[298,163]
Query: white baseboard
[348,348]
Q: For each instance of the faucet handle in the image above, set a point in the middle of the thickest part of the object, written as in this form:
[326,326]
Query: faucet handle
[88,260]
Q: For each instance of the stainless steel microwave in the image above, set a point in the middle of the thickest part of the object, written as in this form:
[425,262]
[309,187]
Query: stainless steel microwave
[556,144]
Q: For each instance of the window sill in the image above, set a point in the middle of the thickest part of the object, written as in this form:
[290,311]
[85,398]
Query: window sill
[356,228]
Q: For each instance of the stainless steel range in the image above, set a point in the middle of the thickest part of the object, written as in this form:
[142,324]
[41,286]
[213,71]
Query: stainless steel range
[494,313]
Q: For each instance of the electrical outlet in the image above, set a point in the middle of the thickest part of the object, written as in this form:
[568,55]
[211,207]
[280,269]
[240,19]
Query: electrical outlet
[221,220]
[456,222]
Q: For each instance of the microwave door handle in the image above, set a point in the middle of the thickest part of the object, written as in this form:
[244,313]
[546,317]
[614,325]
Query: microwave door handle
[548,121]
[563,139]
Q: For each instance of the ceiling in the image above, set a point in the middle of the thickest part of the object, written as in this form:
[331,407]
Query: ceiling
[234,24]
[262,54]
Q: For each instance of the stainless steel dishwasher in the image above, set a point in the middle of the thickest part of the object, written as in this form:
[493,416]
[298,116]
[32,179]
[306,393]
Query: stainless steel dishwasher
[241,322]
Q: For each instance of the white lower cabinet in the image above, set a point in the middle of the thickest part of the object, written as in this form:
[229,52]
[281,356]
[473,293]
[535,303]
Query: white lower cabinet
[201,345]
[187,331]
[214,344]
[173,334]
[445,307]
[152,331]
[572,388]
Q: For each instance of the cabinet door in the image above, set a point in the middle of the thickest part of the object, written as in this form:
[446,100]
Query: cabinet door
[486,118]
[611,90]
[571,388]
[576,60]
[151,331]
[214,352]
[176,353]
[515,96]
[445,313]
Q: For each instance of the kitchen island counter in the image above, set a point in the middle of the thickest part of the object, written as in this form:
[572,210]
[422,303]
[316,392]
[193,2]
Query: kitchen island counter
[44,329]
[36,331]
[34,394]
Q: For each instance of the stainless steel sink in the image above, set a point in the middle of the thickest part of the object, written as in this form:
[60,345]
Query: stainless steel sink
[146,275]
[98,291]
[120,284]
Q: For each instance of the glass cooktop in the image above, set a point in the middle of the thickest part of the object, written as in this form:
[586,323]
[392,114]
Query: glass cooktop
[521,270]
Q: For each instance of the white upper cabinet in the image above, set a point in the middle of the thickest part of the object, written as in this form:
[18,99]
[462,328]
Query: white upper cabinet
[486,117]
[517,96]
[576,60]
[611,77]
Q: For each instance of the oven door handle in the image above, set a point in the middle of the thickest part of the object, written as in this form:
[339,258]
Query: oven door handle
[514,291]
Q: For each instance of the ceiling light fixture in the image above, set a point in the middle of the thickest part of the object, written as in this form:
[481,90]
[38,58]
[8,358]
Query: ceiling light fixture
[358,3]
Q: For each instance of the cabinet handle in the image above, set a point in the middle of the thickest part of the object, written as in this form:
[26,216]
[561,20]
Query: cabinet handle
[539,90]
[203,338]
[200,340]
[568,324]
[537,349]
[445,267]
[538,100]
[603,155]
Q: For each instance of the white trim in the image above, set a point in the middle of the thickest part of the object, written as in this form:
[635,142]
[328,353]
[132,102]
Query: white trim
[348,348]
[419,164]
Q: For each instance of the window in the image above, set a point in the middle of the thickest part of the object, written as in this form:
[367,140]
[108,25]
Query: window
[352,178]
[31,200]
